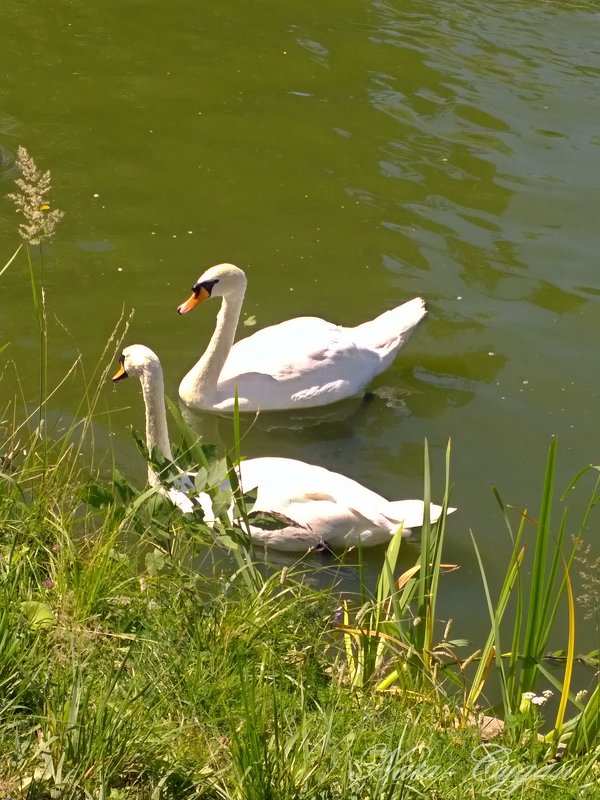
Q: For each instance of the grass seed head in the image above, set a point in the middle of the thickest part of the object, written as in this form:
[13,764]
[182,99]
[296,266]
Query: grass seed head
[32,201]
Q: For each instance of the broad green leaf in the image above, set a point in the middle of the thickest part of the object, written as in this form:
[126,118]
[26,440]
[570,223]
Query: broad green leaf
[155,561]
[39,615]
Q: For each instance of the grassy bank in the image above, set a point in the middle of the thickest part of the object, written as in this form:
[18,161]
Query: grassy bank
[125,671]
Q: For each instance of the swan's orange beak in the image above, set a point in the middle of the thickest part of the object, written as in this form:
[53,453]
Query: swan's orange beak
[199,296]
[120,373]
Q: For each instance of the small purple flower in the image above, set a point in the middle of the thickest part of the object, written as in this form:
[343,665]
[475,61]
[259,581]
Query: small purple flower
[337,617]
[49,583]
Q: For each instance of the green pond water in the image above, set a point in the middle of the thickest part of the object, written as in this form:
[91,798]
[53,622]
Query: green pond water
[348,156]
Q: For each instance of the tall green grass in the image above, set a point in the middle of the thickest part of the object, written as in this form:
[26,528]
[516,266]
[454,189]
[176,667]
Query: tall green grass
[126,672]
[387,646]
[398,626]
[539,588]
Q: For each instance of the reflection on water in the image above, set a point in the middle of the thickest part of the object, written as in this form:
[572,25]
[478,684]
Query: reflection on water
[339,417]
[7,162]
[335,573]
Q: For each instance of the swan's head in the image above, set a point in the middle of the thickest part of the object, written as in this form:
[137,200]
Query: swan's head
[219,281]
[137,360]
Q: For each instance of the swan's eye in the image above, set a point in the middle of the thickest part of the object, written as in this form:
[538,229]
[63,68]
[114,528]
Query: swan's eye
[206,285]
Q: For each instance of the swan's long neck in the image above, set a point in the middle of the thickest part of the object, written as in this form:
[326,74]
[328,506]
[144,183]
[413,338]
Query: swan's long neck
[201,381]
[157,434]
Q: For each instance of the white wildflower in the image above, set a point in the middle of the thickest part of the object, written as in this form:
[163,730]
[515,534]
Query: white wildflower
[526,699]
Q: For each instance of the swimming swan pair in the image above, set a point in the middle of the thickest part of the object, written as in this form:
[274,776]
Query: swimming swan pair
[306,361]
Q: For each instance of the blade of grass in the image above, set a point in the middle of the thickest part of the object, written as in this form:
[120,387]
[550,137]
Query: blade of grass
[423,576]
[539,588]
[495,625]
[564,696]
[515,646]
[11,259]
[440,530]
[496,616]
[586,731]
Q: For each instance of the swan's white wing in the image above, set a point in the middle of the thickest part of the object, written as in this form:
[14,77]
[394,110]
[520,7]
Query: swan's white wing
[304,361]
[293,349]
[307,361]
[337,509]
[302,345]
[322,506]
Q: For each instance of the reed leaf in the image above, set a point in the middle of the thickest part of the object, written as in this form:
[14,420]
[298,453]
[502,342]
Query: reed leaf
[585,729]
[564,696]
[423,578]
[539,589]
[436,558]
[513,697]
[11,259]
[492,649]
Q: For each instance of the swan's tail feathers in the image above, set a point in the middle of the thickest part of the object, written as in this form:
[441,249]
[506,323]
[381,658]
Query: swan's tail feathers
[410,513]
[389,331]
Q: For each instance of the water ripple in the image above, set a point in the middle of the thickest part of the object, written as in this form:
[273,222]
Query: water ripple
[8,127]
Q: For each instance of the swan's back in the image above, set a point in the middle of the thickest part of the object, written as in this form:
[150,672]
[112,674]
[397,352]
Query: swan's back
[307,361]
[285,482]
[324,507]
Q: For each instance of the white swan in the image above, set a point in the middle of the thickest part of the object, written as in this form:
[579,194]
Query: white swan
[301,362]
[323,507]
